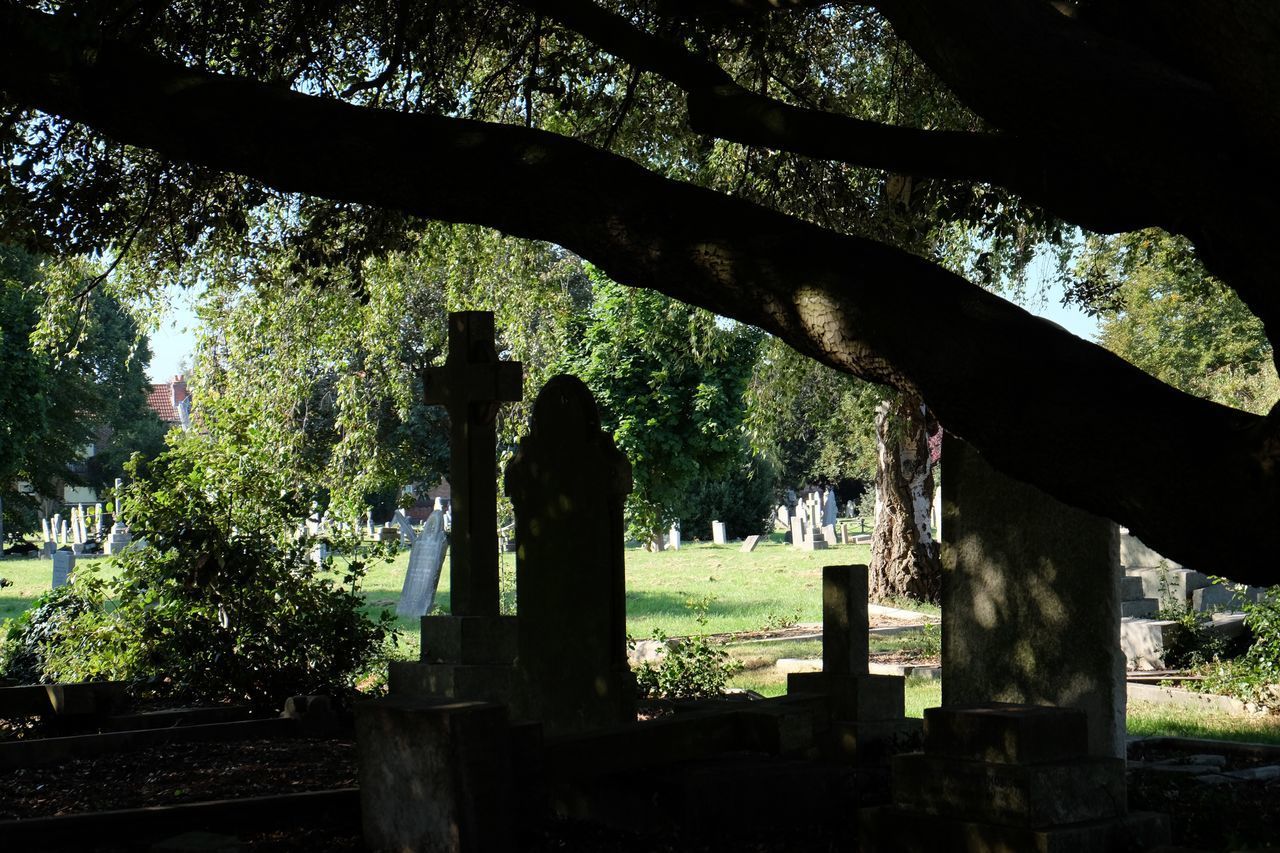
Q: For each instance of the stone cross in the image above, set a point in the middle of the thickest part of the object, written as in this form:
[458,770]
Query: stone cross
[470,386]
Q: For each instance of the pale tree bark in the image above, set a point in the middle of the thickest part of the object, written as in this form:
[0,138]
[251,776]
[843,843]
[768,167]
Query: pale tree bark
[904,555]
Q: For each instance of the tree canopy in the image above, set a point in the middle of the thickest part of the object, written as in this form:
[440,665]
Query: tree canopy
[718,151]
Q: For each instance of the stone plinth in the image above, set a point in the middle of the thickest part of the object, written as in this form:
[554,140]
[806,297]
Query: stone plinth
[1031,595]
[1008,778]
[463,657]
[434,776]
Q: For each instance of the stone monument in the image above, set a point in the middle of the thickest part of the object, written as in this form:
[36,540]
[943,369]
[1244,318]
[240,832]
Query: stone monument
[567,485]
[426,559]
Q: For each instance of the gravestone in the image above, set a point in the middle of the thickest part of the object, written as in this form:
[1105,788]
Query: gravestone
[63,564]
[468,654]
[426,559]
[471,385]
[407,536]
[673,538]
[1031,593]
[797,532]
[829,510]
[749,544]
[867,711]
[717,532]
[567,484]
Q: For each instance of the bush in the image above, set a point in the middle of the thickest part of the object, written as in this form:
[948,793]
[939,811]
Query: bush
[43,627]
[692,668]
[742,499]
[1255,676]
[220,596]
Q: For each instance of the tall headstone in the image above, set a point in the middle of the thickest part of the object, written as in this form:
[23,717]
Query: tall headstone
[567,485]
[426,559]
[471,385]
[468,654]
[97,520]
[717,533]
[797,532]
[829,511]
[63,564]
[1031,593]
[673,537]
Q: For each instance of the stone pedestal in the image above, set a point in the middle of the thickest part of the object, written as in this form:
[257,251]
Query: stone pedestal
[434,776]
[118,540]
[463,657]
[1008,777]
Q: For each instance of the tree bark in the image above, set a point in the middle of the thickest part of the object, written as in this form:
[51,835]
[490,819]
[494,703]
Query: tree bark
[1041,405]
[904,555]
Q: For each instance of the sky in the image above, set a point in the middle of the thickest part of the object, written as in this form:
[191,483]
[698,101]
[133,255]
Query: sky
[173,344]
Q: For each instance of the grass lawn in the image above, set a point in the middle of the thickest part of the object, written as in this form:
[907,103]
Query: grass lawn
[773,586]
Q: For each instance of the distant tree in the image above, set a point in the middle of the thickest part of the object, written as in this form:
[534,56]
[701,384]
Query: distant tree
[61,390]
[669,380]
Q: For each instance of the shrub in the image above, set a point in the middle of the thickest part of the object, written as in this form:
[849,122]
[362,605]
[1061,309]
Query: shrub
[45,626]
[742,499]
[220,595]
[1255,676]
[692,668]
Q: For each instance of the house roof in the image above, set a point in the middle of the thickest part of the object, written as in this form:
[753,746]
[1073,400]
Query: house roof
[164,397]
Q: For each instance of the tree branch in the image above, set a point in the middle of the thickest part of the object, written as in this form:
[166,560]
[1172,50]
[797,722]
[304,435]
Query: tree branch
[1042,405]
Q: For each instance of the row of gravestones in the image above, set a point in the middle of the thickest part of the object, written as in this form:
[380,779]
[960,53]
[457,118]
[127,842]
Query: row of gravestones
[1153,586]
[1025,624]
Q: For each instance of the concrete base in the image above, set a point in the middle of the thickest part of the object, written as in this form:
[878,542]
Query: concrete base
[890,829]
[471,682]
[469,639]
[434,777]
[864,698]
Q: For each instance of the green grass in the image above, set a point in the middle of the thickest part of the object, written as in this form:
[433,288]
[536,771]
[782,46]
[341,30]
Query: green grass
[1146,719]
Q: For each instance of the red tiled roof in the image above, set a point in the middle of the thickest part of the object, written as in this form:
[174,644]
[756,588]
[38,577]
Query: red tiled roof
[161,399]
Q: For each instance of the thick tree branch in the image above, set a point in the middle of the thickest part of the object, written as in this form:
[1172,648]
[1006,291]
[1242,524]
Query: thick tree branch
[1043,405]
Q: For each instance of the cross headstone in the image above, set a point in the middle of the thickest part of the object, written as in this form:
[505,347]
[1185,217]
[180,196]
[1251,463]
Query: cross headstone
[470,386]
[426,559]
[407,536]
[567,485]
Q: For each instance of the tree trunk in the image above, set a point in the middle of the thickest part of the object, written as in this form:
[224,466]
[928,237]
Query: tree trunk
[904,556]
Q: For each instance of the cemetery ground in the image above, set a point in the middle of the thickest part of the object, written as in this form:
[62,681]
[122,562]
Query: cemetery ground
[765,604]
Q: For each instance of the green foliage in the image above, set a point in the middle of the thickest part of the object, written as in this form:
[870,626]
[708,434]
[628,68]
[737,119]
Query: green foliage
[1190,643]
[669,381]
[692,668]
[1255,676]
[742,498]
[53,618]
[1164,313]
[59,393]
[219,596]
[812,423]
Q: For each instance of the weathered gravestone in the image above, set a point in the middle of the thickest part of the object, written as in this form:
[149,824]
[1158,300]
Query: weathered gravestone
[426,559]
[1031,599]
[407,536]
[673,537]
[63,563]
[749,544]
[567,485]
[718,533]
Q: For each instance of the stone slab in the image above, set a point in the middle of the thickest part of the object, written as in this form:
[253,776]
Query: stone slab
[1141,608]
[434,776]
[845,645]
[1219,597]
[1174,583]
[1006,733]
[1134,554]
[1143,641]
[469,639]
[1131,588]
[861,698]
[474,682]
[889,829]
[749,544]
[1084,789]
